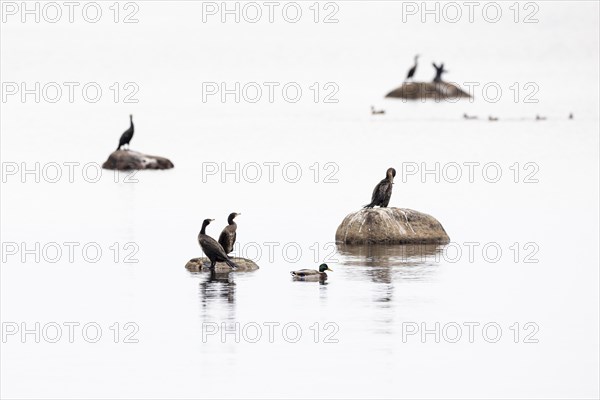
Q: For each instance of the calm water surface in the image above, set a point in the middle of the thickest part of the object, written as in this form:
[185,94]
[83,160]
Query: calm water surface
[353,339]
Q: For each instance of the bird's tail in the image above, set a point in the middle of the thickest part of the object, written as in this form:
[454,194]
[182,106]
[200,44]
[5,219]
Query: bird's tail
[370,205]
[231,264]
[118,148]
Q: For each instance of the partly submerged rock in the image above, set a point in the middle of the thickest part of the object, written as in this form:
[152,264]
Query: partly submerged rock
[126,160]
[428,90]
[390,226]
[203,264]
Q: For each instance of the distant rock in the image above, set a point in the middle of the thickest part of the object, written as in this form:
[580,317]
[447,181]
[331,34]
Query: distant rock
[203,264]
[390,226]
[126,160]
[428,90]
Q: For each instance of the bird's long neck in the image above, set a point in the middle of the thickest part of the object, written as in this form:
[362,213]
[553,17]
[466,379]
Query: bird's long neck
[230,221]
[203,230]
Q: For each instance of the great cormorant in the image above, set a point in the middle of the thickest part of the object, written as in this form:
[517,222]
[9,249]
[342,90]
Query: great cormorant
[213,250]
[127,135]
[227,237]
[411,72]
[383,191]
[439,70]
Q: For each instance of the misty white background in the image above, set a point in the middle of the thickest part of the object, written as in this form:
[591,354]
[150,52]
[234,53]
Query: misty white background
[169,54]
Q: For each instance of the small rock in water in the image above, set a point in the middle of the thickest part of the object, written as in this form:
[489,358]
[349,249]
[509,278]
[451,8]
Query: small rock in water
[126,160]
[428,90]
[390,226]
[203,264]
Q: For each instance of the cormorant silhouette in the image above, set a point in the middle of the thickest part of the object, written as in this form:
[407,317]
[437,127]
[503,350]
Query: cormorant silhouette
[127,135]
[383,191]
[228,235]
[411,72]
[439,70]
[213,250]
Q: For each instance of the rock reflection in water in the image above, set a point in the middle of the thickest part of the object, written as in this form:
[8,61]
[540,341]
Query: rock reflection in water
[384,264]
[417,261]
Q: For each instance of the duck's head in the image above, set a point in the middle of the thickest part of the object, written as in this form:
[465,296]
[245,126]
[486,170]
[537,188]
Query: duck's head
[232,216]
[324,267]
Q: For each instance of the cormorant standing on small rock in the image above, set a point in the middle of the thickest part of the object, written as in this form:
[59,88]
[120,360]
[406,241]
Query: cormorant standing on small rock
[227,237]
[127,135]
[439,70]
[383,191]
[411,72]
[213,250]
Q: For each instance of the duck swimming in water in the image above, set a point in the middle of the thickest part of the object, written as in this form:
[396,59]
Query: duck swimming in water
[228,236]
[383,191]
[466,116]
[311,274]
[377,112]
[127,135]
[213,250]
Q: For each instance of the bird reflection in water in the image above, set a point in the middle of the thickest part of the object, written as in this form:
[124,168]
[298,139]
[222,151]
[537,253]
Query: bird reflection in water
[217,286]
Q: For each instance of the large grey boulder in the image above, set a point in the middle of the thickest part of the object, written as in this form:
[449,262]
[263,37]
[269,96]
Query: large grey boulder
[390,226]
[126,160]
[203,264]
[428,90]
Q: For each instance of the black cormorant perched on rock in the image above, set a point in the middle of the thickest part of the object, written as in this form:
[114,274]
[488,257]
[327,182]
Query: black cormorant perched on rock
[383,191]
[411,72]
[213,250]
[439,70]
[127,135]
[227,237]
